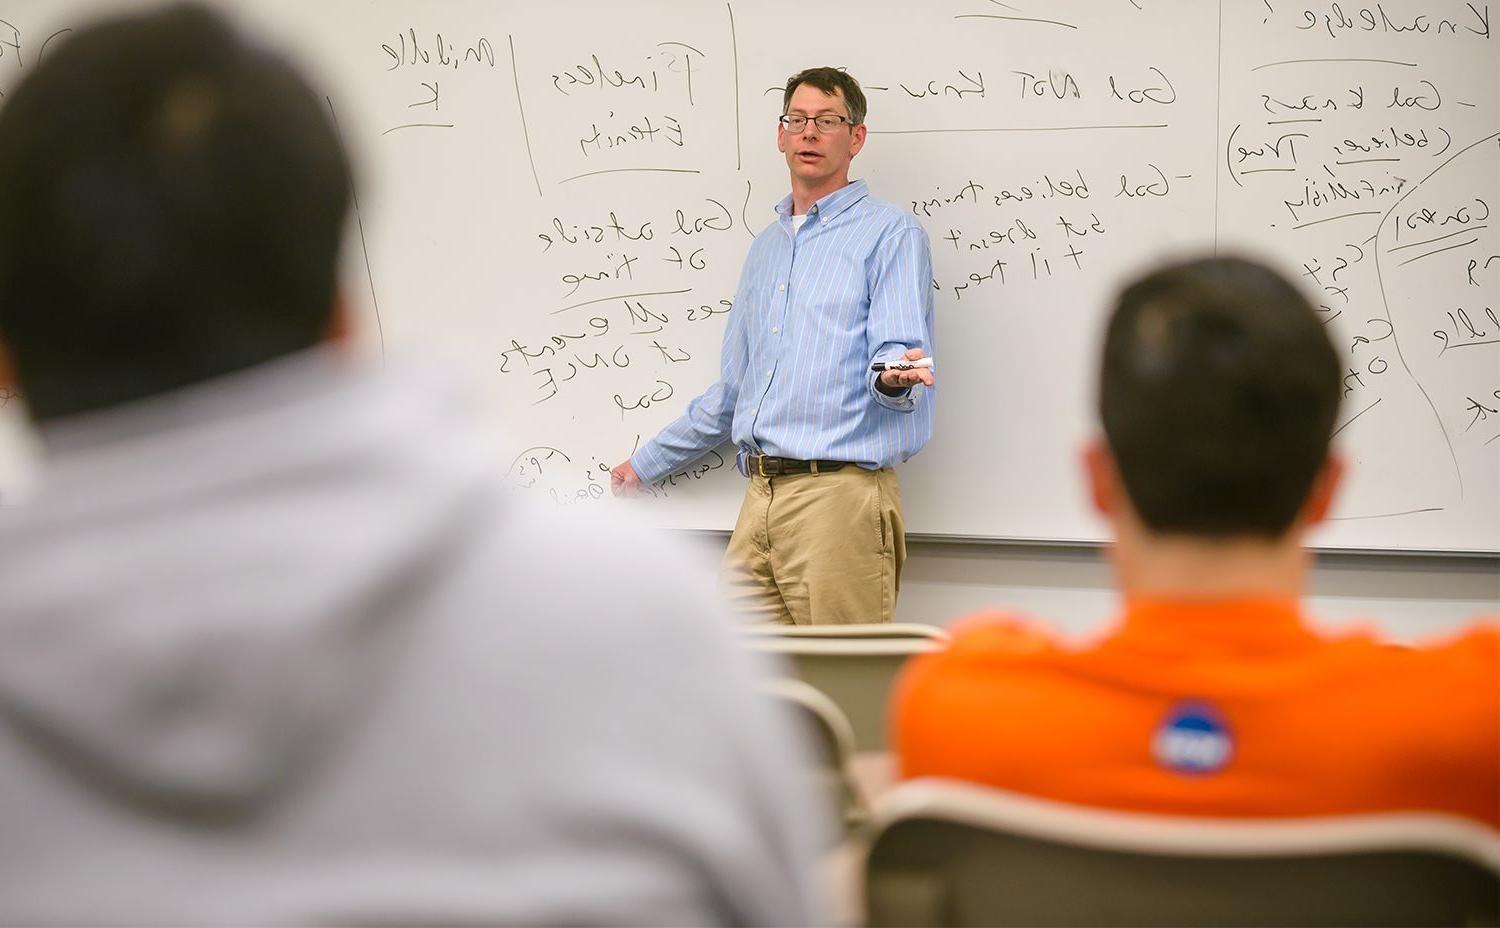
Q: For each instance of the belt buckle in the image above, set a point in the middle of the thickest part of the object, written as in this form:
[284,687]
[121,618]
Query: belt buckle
[760,466]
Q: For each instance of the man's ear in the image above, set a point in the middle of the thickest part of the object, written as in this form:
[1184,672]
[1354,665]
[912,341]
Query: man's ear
[341,324]
[1324,488]
[1103,477]
[859,140]
[7,372]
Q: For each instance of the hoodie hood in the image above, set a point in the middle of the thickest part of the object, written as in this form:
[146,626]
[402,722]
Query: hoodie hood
[205,585]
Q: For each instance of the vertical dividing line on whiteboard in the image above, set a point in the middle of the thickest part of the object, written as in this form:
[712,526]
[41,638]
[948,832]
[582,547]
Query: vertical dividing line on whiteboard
[1218,115]
[734,45]
[525,134]
[359,222]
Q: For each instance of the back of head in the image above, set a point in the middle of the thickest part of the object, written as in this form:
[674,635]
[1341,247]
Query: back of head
[1217,394]
[171,204]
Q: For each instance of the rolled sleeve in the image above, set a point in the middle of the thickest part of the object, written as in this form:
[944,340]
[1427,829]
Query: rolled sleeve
[709,418]
[900,402]
[900,307]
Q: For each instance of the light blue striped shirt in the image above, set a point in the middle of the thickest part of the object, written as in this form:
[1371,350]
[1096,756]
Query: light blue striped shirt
[816,306]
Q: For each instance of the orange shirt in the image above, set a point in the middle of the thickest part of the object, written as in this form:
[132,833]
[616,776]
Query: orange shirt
[1224,709]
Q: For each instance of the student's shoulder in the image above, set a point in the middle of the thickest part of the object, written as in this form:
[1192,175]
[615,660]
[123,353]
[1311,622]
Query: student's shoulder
[997,637]
[1473,650]
[986,651]
[1469,656]
[1452,681]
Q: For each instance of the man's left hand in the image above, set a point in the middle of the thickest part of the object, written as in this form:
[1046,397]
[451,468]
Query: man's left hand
[900,380]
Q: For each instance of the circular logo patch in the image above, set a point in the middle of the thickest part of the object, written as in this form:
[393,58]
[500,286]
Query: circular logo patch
[1192,739]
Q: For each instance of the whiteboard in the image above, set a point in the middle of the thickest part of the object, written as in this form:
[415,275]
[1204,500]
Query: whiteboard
[557,198]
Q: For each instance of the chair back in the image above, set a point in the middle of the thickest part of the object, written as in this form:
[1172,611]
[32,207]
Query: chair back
[853,630]
[856,673]
[946,853]
[832,742]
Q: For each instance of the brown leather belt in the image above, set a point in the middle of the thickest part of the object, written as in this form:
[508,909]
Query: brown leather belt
[767,466]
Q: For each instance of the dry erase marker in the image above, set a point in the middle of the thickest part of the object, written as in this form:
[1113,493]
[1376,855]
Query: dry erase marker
[901,365]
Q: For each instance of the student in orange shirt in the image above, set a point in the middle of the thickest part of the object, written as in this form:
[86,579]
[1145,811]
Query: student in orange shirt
[1213,696]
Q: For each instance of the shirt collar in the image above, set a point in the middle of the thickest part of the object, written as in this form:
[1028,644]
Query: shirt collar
[832,204]
[1268,623]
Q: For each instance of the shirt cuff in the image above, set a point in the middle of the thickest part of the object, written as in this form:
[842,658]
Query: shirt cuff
[905,401]
[647,466]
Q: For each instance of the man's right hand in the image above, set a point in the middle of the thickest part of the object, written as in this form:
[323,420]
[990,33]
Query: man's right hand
[623,481]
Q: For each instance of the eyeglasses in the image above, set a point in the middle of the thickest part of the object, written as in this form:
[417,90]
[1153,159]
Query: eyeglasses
[826,124]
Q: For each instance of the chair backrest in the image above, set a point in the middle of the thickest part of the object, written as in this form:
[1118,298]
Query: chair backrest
[856,673]
[832,741]
[856,630]
[946,853]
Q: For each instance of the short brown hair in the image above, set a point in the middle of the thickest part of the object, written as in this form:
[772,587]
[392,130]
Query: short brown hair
[831,81]
[1218,393]
[172,201]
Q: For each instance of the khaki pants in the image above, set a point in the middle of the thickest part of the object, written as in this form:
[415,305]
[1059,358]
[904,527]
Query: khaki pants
[817,548]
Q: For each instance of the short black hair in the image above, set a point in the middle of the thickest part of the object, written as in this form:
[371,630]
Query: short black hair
[831,81]
[172,200]
[1218,392]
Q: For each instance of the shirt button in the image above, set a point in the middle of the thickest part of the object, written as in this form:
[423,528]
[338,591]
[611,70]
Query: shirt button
[825,219]
[782,287]
[775,329]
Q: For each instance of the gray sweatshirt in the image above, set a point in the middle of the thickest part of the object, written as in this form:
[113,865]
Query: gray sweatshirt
[279,650]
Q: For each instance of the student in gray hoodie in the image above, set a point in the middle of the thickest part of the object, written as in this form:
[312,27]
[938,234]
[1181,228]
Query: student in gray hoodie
[274,646]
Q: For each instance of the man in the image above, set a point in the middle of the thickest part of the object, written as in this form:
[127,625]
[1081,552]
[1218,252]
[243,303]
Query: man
[274,649]
[1213,696]
[838,283]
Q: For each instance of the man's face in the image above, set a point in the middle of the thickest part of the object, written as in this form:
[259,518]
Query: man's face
[815,158]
